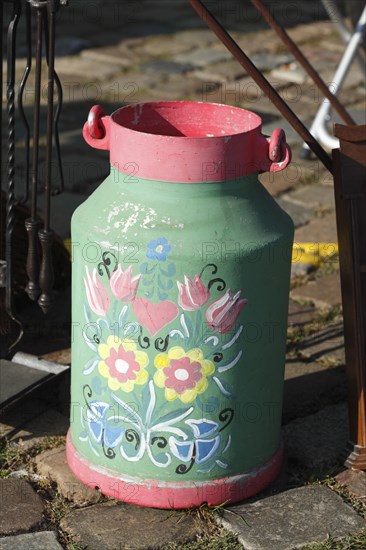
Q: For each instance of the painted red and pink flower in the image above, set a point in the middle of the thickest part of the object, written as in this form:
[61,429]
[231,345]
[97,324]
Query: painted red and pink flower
[154,317]
[221,314]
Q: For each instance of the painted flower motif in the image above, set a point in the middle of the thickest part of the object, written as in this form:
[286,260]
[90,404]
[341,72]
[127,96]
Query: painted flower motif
[192,294]
[183,374]
[101,429]
[96,293]
[158,249]
[123,286]
[122,364]
[221,315]
[204,444]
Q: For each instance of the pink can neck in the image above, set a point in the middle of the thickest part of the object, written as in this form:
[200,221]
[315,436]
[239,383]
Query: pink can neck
[186,141]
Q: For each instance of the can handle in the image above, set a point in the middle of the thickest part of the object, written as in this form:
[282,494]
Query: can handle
[279,152]
[96,130]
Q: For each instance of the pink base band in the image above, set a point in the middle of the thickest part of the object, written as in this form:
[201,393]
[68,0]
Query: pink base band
[170,494]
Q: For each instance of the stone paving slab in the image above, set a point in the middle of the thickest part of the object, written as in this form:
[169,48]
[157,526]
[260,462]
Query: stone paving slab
[318,440]
[43,540]
[51,422]
[300,315]
[278,182]
[53,464]
[84,69]
[355,482]
[202,57]
[265,61]
[224,71]
[319,230]
[162,46]
[21,507]
[111,55]
[174,89]
[292,519]
[323,291]
[325,344]
[301,269]
[316,196]
[193,38]
[300,215]
[166,66]
[112,526]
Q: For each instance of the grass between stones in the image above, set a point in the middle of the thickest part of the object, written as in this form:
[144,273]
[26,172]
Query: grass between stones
[218,540]
[214,536]
[357,542]
[13,456]
[321,320]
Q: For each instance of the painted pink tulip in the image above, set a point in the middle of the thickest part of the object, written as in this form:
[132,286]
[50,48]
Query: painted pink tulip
[96,293]
[123,286]
[192,294]
[223,312]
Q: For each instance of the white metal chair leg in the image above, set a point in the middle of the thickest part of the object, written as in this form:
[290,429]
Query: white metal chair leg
[318,128]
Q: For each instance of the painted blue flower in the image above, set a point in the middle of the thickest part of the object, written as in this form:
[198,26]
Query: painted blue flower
[158,249]
[100,427]
[203,445]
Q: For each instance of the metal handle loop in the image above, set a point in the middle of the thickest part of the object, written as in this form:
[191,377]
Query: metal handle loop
[95,126]
[276,140]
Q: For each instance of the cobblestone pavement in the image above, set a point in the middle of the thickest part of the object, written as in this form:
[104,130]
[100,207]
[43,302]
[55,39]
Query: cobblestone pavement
[114,53]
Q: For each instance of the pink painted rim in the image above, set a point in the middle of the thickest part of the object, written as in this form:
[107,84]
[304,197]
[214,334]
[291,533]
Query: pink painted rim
[185,141]
[162,494]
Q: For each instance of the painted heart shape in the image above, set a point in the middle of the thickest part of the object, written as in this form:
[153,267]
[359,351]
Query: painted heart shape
[154,317]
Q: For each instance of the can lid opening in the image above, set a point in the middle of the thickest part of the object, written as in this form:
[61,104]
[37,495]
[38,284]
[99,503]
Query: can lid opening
[186,119]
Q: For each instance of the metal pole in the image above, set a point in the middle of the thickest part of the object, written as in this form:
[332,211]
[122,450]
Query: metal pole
[317,128]
[32,224]
[10,206]
[335,15]
[46,276]
[262,82]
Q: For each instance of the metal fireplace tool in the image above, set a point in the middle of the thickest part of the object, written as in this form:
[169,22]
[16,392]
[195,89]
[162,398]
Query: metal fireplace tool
[25,372]
[350,196]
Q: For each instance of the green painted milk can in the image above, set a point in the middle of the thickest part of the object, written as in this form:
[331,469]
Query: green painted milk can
[181,270]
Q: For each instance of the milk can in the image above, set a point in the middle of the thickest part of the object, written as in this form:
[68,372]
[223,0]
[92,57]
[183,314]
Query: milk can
[181,270]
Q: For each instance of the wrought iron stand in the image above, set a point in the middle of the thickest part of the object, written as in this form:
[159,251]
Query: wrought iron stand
[39,260]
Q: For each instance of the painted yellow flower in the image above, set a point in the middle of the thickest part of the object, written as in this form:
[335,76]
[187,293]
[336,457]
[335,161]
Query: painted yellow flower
[123,364]
[183,374]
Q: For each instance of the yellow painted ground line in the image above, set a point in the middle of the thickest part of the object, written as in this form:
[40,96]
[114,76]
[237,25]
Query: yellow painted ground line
[307,253]
[314,253]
